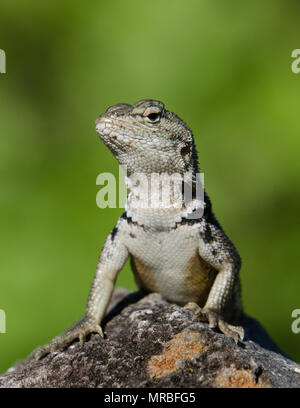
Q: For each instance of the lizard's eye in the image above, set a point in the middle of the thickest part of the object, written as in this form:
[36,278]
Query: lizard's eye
[153,117]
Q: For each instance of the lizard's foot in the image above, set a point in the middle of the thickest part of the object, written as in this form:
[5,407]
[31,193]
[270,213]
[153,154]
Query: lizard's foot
[216,320]
[79,331]
[196,309]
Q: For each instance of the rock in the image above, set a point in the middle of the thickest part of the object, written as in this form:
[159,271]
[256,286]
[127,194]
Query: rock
[152,343]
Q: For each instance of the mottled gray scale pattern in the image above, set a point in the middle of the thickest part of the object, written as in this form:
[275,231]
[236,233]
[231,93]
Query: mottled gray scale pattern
[190,262]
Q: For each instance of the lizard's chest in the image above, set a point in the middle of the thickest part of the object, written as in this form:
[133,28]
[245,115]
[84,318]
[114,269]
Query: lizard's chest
[168,262]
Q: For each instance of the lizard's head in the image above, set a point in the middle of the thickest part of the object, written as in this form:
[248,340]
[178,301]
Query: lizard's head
[146,138]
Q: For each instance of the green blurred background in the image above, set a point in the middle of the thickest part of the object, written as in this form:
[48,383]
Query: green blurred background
[223,66]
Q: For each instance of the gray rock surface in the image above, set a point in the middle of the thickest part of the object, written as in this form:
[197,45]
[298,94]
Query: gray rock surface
[152,343]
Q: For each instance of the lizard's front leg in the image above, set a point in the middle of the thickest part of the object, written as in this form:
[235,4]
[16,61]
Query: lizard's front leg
[214,307]
[217,250]
[111,261]
[219,296]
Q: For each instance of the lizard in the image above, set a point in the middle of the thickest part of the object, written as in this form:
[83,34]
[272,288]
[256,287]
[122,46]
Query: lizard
[189,260]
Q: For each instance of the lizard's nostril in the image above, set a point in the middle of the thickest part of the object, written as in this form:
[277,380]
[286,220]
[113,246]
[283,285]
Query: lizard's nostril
[100,126]
[103,119]
[98,120]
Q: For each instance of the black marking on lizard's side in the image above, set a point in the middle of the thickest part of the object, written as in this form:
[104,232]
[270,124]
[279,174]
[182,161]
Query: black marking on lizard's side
[188,221]
[125,217]
[113,233]
[209,220]
[129,220]
[207,235]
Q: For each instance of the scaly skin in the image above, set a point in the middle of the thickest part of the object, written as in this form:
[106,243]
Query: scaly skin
[189,260]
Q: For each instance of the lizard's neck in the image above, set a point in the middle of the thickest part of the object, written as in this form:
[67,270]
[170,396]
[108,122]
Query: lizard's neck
[160,201]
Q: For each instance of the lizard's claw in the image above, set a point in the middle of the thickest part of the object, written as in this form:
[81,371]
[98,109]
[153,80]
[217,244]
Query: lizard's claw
[86,329]
[235,332]
[79,331]
[216,320]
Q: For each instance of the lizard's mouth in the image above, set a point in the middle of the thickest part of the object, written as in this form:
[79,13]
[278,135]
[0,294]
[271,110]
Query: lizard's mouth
[110,135]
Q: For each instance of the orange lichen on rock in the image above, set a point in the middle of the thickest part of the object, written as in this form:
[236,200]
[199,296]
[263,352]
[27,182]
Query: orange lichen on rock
[184,346]
[231,377]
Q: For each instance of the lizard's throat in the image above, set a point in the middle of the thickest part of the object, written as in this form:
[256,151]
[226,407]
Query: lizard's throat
[160,201]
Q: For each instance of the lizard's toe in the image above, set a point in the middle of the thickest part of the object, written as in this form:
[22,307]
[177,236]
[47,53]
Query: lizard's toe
[215,319]
[197,310]
[235,332]
[193,307]
[212,316]
[79,331]
[41,351]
